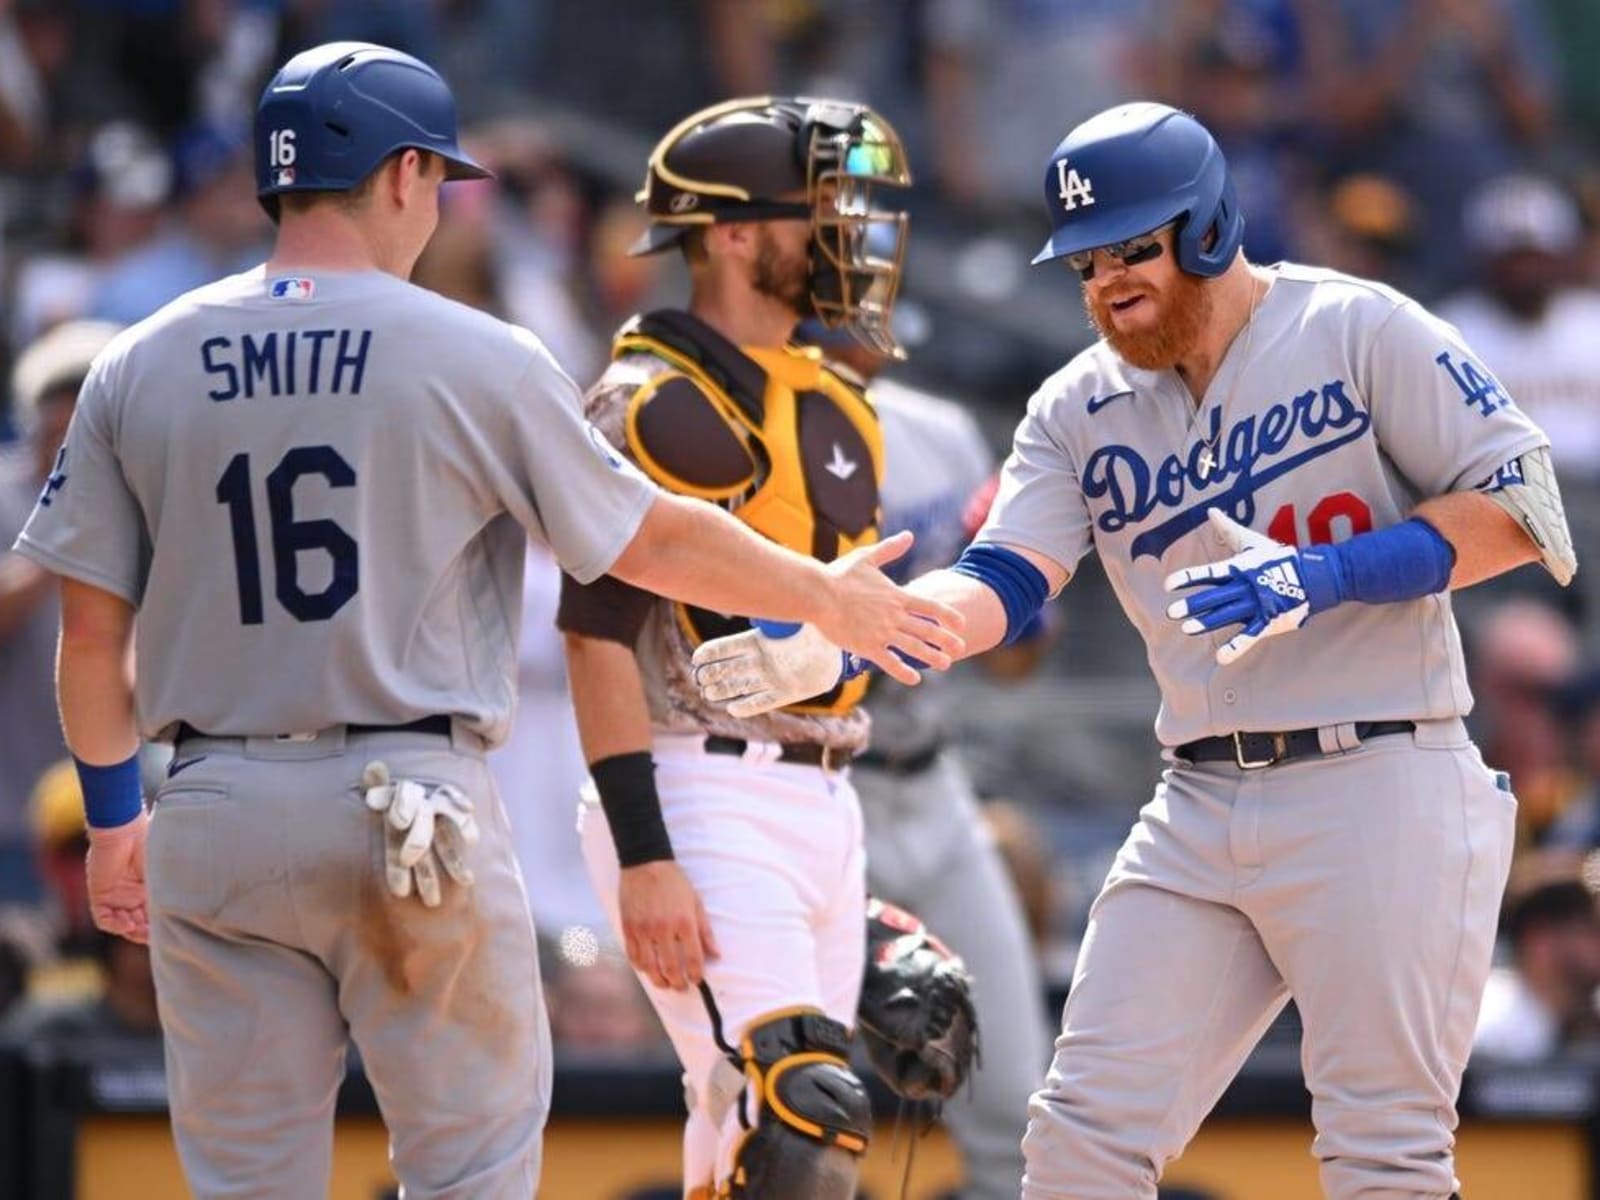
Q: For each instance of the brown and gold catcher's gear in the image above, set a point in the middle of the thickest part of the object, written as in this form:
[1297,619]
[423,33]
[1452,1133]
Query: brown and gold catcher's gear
[771,158]
[915,1015]
[787,445]
[813,1115]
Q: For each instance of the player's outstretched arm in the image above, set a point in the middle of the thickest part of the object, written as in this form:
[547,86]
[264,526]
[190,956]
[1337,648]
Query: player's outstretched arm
[996,590]
[692,551]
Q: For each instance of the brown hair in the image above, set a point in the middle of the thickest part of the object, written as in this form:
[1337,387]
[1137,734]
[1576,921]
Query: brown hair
[350,199]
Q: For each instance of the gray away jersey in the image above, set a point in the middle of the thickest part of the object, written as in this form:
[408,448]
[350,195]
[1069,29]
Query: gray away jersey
[315,489]
[935,458]
[1352,405]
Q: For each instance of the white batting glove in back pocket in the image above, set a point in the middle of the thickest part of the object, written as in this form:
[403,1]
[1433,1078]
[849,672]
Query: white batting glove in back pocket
[426,826]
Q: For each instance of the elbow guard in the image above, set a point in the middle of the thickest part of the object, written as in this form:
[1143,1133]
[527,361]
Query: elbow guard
[1526,488]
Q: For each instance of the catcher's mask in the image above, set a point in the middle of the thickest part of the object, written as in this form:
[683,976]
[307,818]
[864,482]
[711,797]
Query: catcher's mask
[745,160]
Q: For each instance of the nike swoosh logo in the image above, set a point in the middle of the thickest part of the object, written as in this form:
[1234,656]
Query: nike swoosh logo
[1096,403]
[175,766]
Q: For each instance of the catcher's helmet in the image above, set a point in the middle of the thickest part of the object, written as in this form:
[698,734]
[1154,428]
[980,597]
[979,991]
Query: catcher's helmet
[1135,168]
[792,158]
[333,113]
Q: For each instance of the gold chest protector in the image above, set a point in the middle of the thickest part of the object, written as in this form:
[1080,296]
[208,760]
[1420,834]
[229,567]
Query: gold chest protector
[785,444]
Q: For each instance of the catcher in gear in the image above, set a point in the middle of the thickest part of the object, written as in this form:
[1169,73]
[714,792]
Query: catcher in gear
[728,852]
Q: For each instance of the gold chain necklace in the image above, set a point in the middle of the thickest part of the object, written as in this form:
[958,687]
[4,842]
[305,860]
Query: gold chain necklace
[1208,446]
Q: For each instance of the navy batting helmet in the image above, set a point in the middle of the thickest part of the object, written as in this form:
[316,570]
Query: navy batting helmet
[1135,168]
[336,111]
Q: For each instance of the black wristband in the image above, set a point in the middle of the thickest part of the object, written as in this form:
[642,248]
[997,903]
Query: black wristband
[627,787]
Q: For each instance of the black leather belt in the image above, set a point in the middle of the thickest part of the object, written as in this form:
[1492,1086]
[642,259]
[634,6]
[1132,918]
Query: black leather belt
[914,763]
[1252,750]
[809,754]
[439,723]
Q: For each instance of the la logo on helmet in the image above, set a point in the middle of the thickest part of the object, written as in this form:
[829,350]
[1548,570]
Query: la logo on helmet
[1075,189]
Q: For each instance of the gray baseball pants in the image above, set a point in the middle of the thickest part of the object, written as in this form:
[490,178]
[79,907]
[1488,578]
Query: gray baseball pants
[1366,885]
[274,939]
[927,851]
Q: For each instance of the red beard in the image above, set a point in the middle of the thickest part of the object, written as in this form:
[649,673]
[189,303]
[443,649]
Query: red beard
[1184,311]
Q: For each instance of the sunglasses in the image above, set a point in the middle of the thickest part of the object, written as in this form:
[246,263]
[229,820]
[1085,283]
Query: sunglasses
[1130,252]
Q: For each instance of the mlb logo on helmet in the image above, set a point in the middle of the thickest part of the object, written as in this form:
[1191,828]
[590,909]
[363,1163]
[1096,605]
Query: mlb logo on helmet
[293,288]
[283,177]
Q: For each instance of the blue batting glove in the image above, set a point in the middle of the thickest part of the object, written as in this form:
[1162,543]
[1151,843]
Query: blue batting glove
[1267,587]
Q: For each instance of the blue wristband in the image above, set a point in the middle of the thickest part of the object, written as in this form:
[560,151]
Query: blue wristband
[775,629]
[112,795]
[1021,586]
[1403,562]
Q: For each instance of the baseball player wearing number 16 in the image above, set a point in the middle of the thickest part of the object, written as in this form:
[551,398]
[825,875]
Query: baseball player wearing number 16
[305,492]
[1286,471]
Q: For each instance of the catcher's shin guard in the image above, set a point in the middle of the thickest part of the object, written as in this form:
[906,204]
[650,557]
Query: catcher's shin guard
[814,1115]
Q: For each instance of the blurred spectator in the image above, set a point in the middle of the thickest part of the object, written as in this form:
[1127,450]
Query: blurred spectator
[515,246]
[220,229]
[642,63]
[1005,79]
[60,843]
[1236,64]
[1575,26]
[118,193]
[35,43]
[1366,227]
[595,1001]
[408,25]
[1578,827]
[123,1003]
[13,975]
[1523,653]
[149,53]
[620,284]
[1436,94]
[1529,317]
[1545,1000]
[44,387]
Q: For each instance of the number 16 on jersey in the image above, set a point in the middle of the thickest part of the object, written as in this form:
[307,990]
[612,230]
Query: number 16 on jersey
[290,537]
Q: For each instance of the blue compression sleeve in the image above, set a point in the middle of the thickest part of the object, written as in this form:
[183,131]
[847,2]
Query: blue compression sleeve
[112,795]
[1021,586]
[1403,562]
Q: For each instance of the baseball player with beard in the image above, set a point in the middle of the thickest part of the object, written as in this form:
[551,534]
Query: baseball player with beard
[1286,471]
[728,851]
[303,494]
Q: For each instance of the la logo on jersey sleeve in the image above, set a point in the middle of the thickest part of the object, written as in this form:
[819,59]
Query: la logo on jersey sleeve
[1476,384]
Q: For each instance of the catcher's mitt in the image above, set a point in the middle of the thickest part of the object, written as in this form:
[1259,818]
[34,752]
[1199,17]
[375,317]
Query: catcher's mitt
[916,1016]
